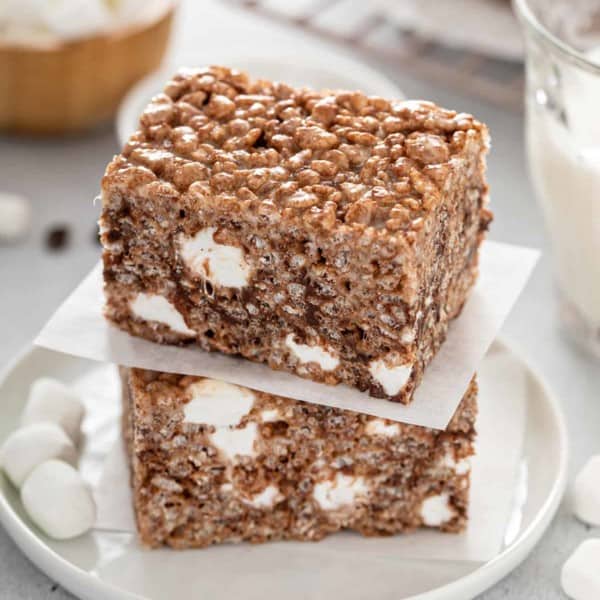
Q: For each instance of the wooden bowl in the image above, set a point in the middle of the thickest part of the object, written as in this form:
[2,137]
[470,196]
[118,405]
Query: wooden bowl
[72,86]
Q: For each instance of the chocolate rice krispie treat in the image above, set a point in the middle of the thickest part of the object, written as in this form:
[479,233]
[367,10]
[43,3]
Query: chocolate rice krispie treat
[213,462]
[330,234]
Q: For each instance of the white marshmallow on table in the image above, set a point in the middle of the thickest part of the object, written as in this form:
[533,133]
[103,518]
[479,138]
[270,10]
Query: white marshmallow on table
[32,445]
[51,401]
[58,500]
[15,217]
[586,492]
[580,576]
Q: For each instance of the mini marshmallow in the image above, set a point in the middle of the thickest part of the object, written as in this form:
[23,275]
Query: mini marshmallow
[436,510]
[265,499]
[392,378]
[152,307]
[22,13]
[50,401]
[586,492]
[340,492]
[324,357]
[381,427]
[71,19]
[580,576]
[235,442]
[15,217]
[217,403]
[221,264]
[58,501]
[130,10]
[30,446]
[270,415]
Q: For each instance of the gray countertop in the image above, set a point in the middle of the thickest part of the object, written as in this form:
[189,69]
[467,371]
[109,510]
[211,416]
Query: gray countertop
[62,177]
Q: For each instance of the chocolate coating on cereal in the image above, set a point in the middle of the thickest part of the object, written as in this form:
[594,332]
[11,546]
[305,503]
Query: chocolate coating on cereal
[188,493]
[337,157]
[328,234]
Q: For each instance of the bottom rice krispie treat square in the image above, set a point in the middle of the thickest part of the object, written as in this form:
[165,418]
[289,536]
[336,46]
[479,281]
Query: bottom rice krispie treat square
[213,462]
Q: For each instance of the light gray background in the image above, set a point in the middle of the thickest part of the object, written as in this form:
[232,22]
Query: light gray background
[62,177]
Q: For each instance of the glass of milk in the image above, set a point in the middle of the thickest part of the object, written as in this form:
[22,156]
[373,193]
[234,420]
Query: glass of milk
[563,141]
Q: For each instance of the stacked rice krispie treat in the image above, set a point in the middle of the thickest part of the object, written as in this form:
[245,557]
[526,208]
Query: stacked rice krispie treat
[330,234]
[333,235]
[213,462]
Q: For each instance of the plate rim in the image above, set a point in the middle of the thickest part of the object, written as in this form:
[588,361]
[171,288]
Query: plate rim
[85,584]
[492,571]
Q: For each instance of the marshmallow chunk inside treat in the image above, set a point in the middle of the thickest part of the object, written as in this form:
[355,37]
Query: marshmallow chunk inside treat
[153,307]
[580,576]
[234,442]
[32,445]
[217,403]
[461,466]
[223,405]
[72,19]
[15,216]
[380,427]
[270,415]
[436,510]
[218,263]
[51,401]
[339,492]
[326,359]
[58,500]
[392,379]
[266,498]
[586,492]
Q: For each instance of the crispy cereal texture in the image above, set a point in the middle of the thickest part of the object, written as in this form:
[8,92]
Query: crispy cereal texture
[276,469]
[329,234]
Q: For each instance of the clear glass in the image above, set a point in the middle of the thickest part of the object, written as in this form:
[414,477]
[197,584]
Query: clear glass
[563,142]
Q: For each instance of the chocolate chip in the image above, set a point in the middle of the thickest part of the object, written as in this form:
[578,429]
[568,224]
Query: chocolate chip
[96,236]
[57,238]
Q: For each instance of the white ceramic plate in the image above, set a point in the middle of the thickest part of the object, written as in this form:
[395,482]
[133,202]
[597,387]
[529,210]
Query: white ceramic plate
[337,72]
[112,566]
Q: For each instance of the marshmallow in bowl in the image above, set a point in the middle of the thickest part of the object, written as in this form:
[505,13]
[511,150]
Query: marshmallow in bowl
[580,576]
[32,445]
[20,13]
[45,21]
[51,401]
[586,492]
[71,19]
[65,19]
[58,500]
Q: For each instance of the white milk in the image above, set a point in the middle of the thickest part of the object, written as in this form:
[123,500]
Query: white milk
[565,166]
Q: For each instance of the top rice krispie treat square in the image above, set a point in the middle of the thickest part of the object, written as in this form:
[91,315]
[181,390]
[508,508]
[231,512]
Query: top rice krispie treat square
[331,234]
